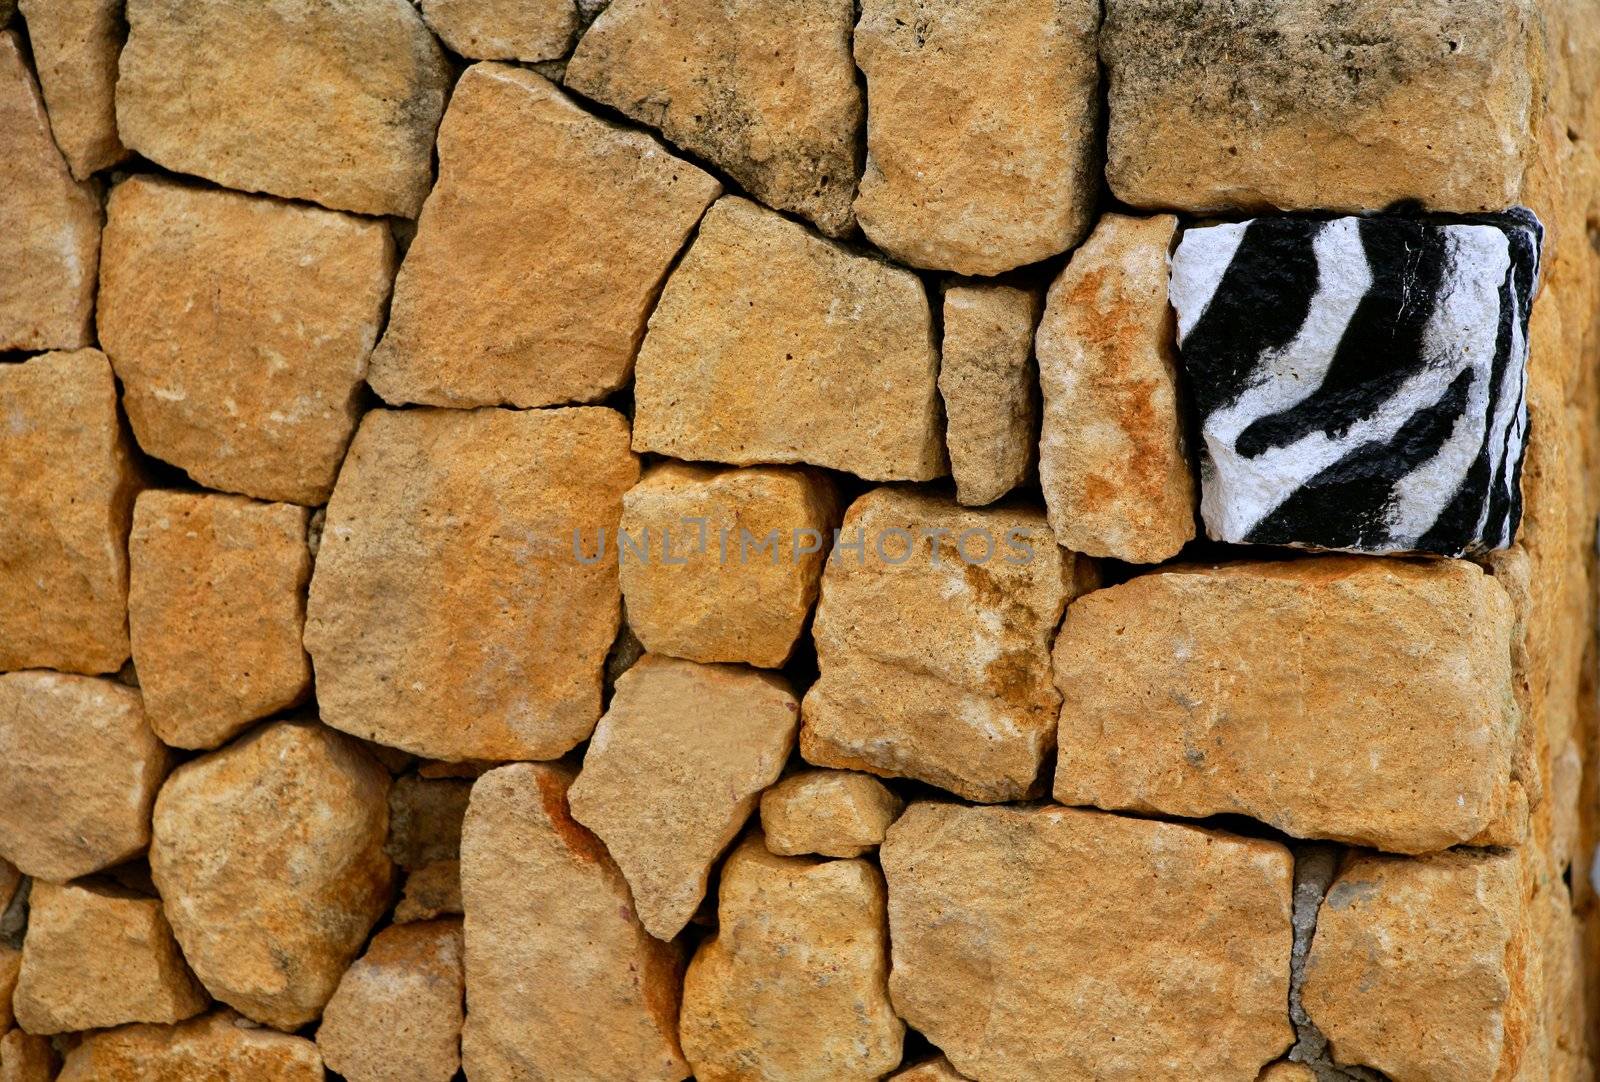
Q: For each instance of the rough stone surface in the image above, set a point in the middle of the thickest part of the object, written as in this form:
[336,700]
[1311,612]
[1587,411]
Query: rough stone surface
[67,483]
[269,857]
[981,129]
[675,768]
[10,970]
[334,103]
[425,819]
[987,383]
[216,606]
[26,1058]
[1112,457]
[1288,1072]
[450,614]
[764,89]
[528,30]
[1356,699]
[538,254]
[219,1047]
[1167,946]
[833,813]
[75,45]
[10,880]
[536,884]
[793,985]
[193,302]
[937,1069]
[431,891]
[1307,104]
[98,956]
[700,589]
[82,770]
[935,665]
[771,344]
[396,1016]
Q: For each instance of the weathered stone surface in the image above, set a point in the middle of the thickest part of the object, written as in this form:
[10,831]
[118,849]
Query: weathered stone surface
[269,857]
[217,380]
[1419,967]
[216,605]
[535,883]
[431,891]
[933,643]
[834,813]
[981,129]
[299,98]
[49,223]
[1112,458]
[82,770]
[698,587]
[529,30]
[1288,1072]
[987,383]
[538,253]
[675,768]
[450,612]
[425,819]
[67,483]
[26,1058]
[771,344]
[793,985]
[219,1047]
[97,956]
[10,880]
[1166,946]
[10,970]
[1306,104]
[764,89]
[75,45]
[937,1069]
[1361,700]
[396,1016]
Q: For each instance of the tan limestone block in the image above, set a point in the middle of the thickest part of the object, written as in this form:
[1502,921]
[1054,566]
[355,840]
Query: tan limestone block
[75,48]
[833,813]
[937,1069]
[10,881]
[529,30]
[987,382]
[10,970]
[219,1047]
[1288,1072]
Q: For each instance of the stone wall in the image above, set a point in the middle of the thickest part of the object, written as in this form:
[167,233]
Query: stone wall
[799,541]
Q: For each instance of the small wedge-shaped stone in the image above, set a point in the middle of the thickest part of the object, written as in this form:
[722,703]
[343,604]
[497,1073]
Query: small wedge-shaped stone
[793,985]
[562,979]
[834,813]
[937,1069]
[538,254]
[221,1047]
[771,344]
[75,46]
[527,30]
[459,608]
[988,384]
[1357,699]
[431,891]
[764,89]
[26,1058]
[10,970]
[269,858]
[1055,945]
[335,103]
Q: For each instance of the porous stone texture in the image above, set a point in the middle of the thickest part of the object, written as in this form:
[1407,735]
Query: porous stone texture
[219,1046]
[763,89]
[82,770]
[706,581]
[987,383]
[538,254]
[1356,699]
[431,891]
[193,296]
[451,613]
[396,1016]
[674,770]
[75,45]
[279,836]
[535,883]
[1112,457]
[793,985]
[67,484]
[833,813]
[528,30]
[771,344]
[216,606]
[333,103]
[937,1069]
[97,956]
[1309,104]
[1167,946]
[933,641]
[26,1058]
[981,129]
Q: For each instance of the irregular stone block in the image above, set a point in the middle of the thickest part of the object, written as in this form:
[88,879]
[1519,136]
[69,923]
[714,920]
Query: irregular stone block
[771,344]
[1050,943]
[75,47]
[1361,700]
[538,254]
[937,1069]
[764,89]
[431,891]
[10,880]
[220,1045]
[218,379]
[834,813]
[986,379]
[453,611]
[1360,382]
[981,129]
[10,970]
[535,883]
[67,484]
[334,103]
[1288,1072]
[425,819]
[1112,457]
[528,30]
[269,857]
[26,1058]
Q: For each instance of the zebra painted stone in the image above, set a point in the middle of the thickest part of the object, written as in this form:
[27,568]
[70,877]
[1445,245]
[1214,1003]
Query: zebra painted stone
[1359,383]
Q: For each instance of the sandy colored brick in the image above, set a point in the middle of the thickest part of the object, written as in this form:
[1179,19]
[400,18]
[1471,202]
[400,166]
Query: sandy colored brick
[988,383]
[75,48]
[538,254]
[220,1046]
[528,30]
[833,813]
[26,1058]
